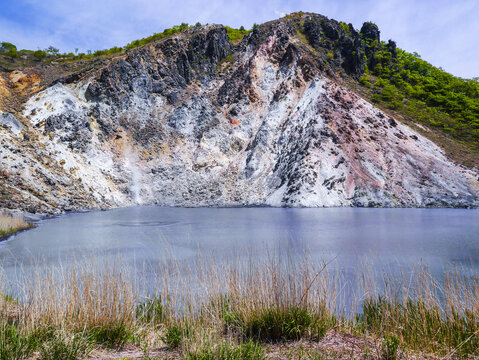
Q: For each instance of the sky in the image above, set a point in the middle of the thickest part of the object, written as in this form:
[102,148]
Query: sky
[443,32]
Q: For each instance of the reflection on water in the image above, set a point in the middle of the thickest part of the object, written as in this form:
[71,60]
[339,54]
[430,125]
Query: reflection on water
[145,236]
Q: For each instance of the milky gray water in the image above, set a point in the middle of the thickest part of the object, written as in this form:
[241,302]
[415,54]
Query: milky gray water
[438,238]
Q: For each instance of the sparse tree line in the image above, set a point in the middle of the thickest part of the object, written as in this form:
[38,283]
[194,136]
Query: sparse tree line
[10,50]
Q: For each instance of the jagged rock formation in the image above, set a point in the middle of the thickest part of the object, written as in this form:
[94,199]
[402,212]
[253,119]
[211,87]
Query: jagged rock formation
[194,120]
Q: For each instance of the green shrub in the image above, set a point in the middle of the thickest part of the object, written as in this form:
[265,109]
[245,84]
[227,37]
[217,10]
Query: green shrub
[226,351]
[174,335]
[364,80]
[344,26]
[167,32]
[63,348]
[113,50]
[152,311]
[6,46]
[39,54]
[395,104]
[389,93]
[14,345]
[421,326]
[390,348]
[235,35]
[9,49]
[114,335]
[12,53]
[9,298]
[278,324]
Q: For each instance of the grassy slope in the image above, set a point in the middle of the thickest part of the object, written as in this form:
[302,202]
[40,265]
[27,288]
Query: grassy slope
[419,93]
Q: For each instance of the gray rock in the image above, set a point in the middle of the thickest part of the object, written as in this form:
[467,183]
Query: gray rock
[11,122]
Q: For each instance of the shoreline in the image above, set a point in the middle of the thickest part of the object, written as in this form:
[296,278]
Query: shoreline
[33,217]
[262,311]
[11,223]
[8,236]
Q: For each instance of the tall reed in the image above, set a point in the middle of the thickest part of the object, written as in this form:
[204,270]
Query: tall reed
[10,224]
[191,306]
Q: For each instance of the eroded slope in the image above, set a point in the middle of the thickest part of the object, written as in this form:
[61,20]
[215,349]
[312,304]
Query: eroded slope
[194,120]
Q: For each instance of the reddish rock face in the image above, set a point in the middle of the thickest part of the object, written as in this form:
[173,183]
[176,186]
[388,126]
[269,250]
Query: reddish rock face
[194,120]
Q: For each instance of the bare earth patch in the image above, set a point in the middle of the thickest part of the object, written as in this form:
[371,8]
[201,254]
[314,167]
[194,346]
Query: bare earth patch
[133,353]
[334,345]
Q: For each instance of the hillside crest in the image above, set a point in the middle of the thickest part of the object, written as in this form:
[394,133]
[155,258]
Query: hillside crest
[286,115]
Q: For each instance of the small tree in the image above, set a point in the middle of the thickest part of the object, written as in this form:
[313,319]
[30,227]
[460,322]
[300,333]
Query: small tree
[52,50]
[39,54]
[6,46]
[9,49]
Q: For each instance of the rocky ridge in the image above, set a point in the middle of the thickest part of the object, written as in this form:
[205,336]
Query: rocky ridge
[195,120]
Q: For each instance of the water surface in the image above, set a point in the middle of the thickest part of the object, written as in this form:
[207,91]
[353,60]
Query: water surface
[437,238]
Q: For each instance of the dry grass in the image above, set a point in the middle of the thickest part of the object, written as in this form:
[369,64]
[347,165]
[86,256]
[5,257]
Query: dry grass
[10,224]
[246,310]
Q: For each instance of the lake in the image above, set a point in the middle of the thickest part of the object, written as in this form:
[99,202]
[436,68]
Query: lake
[346,237]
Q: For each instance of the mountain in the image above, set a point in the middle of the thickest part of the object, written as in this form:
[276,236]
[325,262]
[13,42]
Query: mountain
[286,115]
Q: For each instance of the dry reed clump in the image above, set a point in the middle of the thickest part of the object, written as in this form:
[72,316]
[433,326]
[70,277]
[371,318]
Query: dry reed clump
[206,309]
[10,224]
[427,314]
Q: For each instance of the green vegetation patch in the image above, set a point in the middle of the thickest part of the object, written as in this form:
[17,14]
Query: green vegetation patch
[8,49]
[236,35]
[153,311]
[62,347]
[167,32]
[427,94]
[113,335]
[14,345]
[227,351]
[278,324]
[420,326]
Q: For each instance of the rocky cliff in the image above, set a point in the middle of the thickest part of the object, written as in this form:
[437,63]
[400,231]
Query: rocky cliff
[195,120]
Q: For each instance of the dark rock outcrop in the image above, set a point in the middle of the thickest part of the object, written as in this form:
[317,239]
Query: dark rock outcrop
[370,31]
[164,68]
[342,41]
